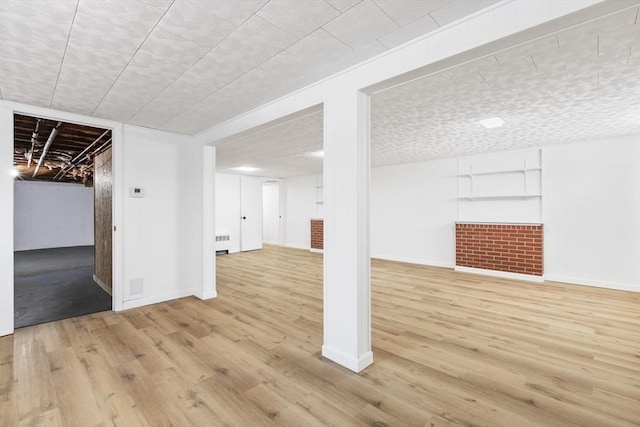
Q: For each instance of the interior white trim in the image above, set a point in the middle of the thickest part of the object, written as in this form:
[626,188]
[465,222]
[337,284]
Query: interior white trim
[503,274]
[594,283]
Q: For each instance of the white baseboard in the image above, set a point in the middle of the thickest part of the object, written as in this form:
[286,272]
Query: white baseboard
[206,295]
[155,299]
[418,261]
[317,251]
[595,283]
[349,362]
[294,246]
[503,274]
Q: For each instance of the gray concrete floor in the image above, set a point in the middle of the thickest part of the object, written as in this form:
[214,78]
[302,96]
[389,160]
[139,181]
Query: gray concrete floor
[54,284]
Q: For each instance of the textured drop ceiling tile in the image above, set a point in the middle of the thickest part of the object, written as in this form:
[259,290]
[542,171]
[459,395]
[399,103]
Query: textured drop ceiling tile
[319,48]
[415,29]
[538,47]
[343,5]
[404,12]
[134,16]
[599,26]
[260,38]
[296,17]
[228,61]
[233,11]
[160,4]
[192,23]
[361,25]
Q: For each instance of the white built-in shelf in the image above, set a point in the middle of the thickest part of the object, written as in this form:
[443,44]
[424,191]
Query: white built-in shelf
[502,197]
[500,172]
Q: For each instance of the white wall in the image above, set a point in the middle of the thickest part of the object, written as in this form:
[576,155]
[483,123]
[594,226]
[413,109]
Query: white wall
[413,209]
[52,215]
[300,206]
[227,207]
[592,213]
[156,247]
[271,212]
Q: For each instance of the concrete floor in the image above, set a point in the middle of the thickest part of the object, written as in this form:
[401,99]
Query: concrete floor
[54,284]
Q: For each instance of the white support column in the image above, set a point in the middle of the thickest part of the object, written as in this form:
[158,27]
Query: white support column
[347,283]
[6,220]
[208,224]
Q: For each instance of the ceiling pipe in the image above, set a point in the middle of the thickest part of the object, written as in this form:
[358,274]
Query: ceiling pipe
[72,163]
[34,141]
[54,132]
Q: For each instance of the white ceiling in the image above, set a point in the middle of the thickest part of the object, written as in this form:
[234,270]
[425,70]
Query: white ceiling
[581,83]
[186,65]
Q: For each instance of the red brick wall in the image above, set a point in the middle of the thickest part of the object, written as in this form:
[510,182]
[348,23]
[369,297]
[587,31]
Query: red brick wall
[317,234]
[503,247]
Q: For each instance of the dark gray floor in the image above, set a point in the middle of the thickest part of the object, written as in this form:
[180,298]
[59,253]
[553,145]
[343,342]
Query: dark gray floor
[54,284]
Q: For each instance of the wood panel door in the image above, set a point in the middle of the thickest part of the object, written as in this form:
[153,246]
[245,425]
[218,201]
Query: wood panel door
[103,224]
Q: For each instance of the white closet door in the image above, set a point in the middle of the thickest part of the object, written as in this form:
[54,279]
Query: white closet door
[250,213]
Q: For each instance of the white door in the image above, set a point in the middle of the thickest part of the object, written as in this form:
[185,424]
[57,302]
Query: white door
[271,213]
[250,213]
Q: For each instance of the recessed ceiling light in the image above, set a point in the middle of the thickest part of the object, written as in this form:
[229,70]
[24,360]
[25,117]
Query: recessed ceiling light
[245,169]
[493,122]
[319,153]
[15,172]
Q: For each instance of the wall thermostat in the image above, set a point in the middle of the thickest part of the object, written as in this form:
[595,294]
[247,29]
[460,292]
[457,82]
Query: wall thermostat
[136,192]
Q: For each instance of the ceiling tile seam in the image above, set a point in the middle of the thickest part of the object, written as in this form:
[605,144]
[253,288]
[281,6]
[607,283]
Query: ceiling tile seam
[386,14]
[131,58]
[153,5]
[333,7]
[205,54]
[327,33]
[64,54]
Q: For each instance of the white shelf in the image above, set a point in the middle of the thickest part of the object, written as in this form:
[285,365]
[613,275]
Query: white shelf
[502,197]
[500,172]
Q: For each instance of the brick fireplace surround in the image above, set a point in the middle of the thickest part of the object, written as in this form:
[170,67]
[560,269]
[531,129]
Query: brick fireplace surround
[513,248]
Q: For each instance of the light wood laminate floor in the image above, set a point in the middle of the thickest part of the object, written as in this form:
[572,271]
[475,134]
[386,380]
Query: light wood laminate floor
[450,349]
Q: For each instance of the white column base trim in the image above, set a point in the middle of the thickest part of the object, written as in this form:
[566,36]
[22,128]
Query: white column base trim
[206,295]
[418,261]
[349,362]
[503,274]
[317,251]
[134,303]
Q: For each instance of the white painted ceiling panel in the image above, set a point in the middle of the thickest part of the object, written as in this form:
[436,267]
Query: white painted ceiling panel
[236,12]
[296,17]
[343,5]
[409,32]
[455,10]
[361,25]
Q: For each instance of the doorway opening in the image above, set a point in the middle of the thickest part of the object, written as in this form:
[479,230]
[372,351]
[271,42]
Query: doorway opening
[62,220]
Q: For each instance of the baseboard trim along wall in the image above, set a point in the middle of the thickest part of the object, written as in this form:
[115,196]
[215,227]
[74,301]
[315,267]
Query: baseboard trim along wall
[593,283]
[503,274]
[157,298]
[428,263]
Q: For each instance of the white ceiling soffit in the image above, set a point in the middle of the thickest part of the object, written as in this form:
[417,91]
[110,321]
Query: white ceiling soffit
[578,84]
[187,65]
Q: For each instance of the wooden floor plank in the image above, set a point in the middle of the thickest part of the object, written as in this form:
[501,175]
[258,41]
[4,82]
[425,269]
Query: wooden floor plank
[450,349]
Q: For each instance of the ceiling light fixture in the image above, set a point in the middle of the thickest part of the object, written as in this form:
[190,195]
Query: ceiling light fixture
[245,169]
[493,122]
[15,172]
